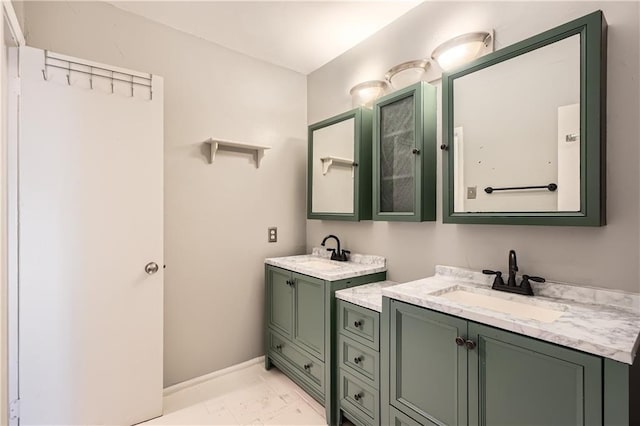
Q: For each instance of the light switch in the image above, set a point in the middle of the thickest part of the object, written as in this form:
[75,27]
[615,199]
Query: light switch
[273,234]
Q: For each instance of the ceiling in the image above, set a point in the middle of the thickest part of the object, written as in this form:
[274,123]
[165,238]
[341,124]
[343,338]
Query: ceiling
[299,35]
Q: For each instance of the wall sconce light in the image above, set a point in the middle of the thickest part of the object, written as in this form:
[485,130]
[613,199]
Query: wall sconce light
[462,49]
[364,94]
[407,73]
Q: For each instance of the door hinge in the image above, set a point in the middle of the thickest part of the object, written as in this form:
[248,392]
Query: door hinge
[14,410]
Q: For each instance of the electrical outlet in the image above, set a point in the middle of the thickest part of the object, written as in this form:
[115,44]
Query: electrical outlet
[471,193]
[273,234]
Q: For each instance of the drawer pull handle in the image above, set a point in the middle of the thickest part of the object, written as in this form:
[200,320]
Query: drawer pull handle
[357,324]
[307,367]
[358,359]
[279,347]
[471,345]
[460,341]
[358,396]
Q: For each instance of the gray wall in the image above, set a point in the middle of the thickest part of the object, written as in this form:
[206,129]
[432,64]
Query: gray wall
[216,215]
[604,257]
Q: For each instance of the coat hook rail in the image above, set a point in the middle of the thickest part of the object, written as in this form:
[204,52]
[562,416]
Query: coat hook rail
[94,71]
[551,187]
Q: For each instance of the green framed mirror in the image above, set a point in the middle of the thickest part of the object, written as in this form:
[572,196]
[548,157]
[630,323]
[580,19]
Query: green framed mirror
[339,167]
[524,131]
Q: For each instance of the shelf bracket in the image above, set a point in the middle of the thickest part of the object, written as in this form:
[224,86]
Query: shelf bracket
[329,161]
[221,144]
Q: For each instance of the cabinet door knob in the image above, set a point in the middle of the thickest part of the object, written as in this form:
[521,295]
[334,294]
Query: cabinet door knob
[358,396]
[357,324]
[470,344]
[415,151]
[358,359]
[279,347]
[444,147]
[459,341]
[307,367]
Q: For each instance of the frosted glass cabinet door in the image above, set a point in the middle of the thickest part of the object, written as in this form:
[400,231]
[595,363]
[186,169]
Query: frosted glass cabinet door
[404,155]
[397,157]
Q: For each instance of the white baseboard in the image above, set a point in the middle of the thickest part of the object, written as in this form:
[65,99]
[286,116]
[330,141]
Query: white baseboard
[197,380]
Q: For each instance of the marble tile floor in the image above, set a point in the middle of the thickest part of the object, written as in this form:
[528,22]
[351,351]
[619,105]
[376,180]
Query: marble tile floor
[250,396]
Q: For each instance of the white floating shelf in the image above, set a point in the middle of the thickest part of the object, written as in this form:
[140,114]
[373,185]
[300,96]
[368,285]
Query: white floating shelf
[216,144]
[327,162]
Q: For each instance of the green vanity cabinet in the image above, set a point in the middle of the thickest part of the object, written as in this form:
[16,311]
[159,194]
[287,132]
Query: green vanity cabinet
[444,370]
[359,364]
[404,155]
[300,314]
[513,378]
[428,371]
[296,309]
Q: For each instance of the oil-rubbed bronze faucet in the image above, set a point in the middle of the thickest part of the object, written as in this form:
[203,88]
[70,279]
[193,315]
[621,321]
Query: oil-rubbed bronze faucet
[513,268]
[511,286]
[336,253]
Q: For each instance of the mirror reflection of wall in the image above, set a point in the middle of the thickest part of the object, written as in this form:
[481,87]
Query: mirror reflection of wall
[516,124]
[333,184]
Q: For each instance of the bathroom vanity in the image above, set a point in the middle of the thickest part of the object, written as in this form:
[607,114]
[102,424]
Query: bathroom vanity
[300,315]
[563,357]
[449,350]
[358,362]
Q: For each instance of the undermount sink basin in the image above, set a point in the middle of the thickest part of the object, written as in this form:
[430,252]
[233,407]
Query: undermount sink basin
[319,264]
[490,299]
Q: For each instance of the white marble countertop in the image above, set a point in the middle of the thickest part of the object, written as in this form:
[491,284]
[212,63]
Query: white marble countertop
[319,265]
[368,295]
[597,321]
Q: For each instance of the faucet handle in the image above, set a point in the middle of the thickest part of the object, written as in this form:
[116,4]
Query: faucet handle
[498,281]
[536,279]
[525,285]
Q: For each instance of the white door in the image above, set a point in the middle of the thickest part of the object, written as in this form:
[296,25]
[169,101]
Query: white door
[91,218]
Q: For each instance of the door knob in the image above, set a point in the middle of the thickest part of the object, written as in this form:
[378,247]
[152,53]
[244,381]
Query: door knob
[151,268]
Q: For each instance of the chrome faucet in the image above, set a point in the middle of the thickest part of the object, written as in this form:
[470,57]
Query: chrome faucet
[336,253]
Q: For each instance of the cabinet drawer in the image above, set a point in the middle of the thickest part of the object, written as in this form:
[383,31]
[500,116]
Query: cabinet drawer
[311,368]
[357,397]
[398,418]
[360,360]
[359,324]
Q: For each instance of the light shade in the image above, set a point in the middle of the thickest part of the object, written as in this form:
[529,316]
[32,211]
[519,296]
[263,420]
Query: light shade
[407,73]
[364,94]
[460,50]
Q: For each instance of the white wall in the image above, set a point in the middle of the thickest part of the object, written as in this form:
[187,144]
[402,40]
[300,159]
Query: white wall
[216,215]
[606,256]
